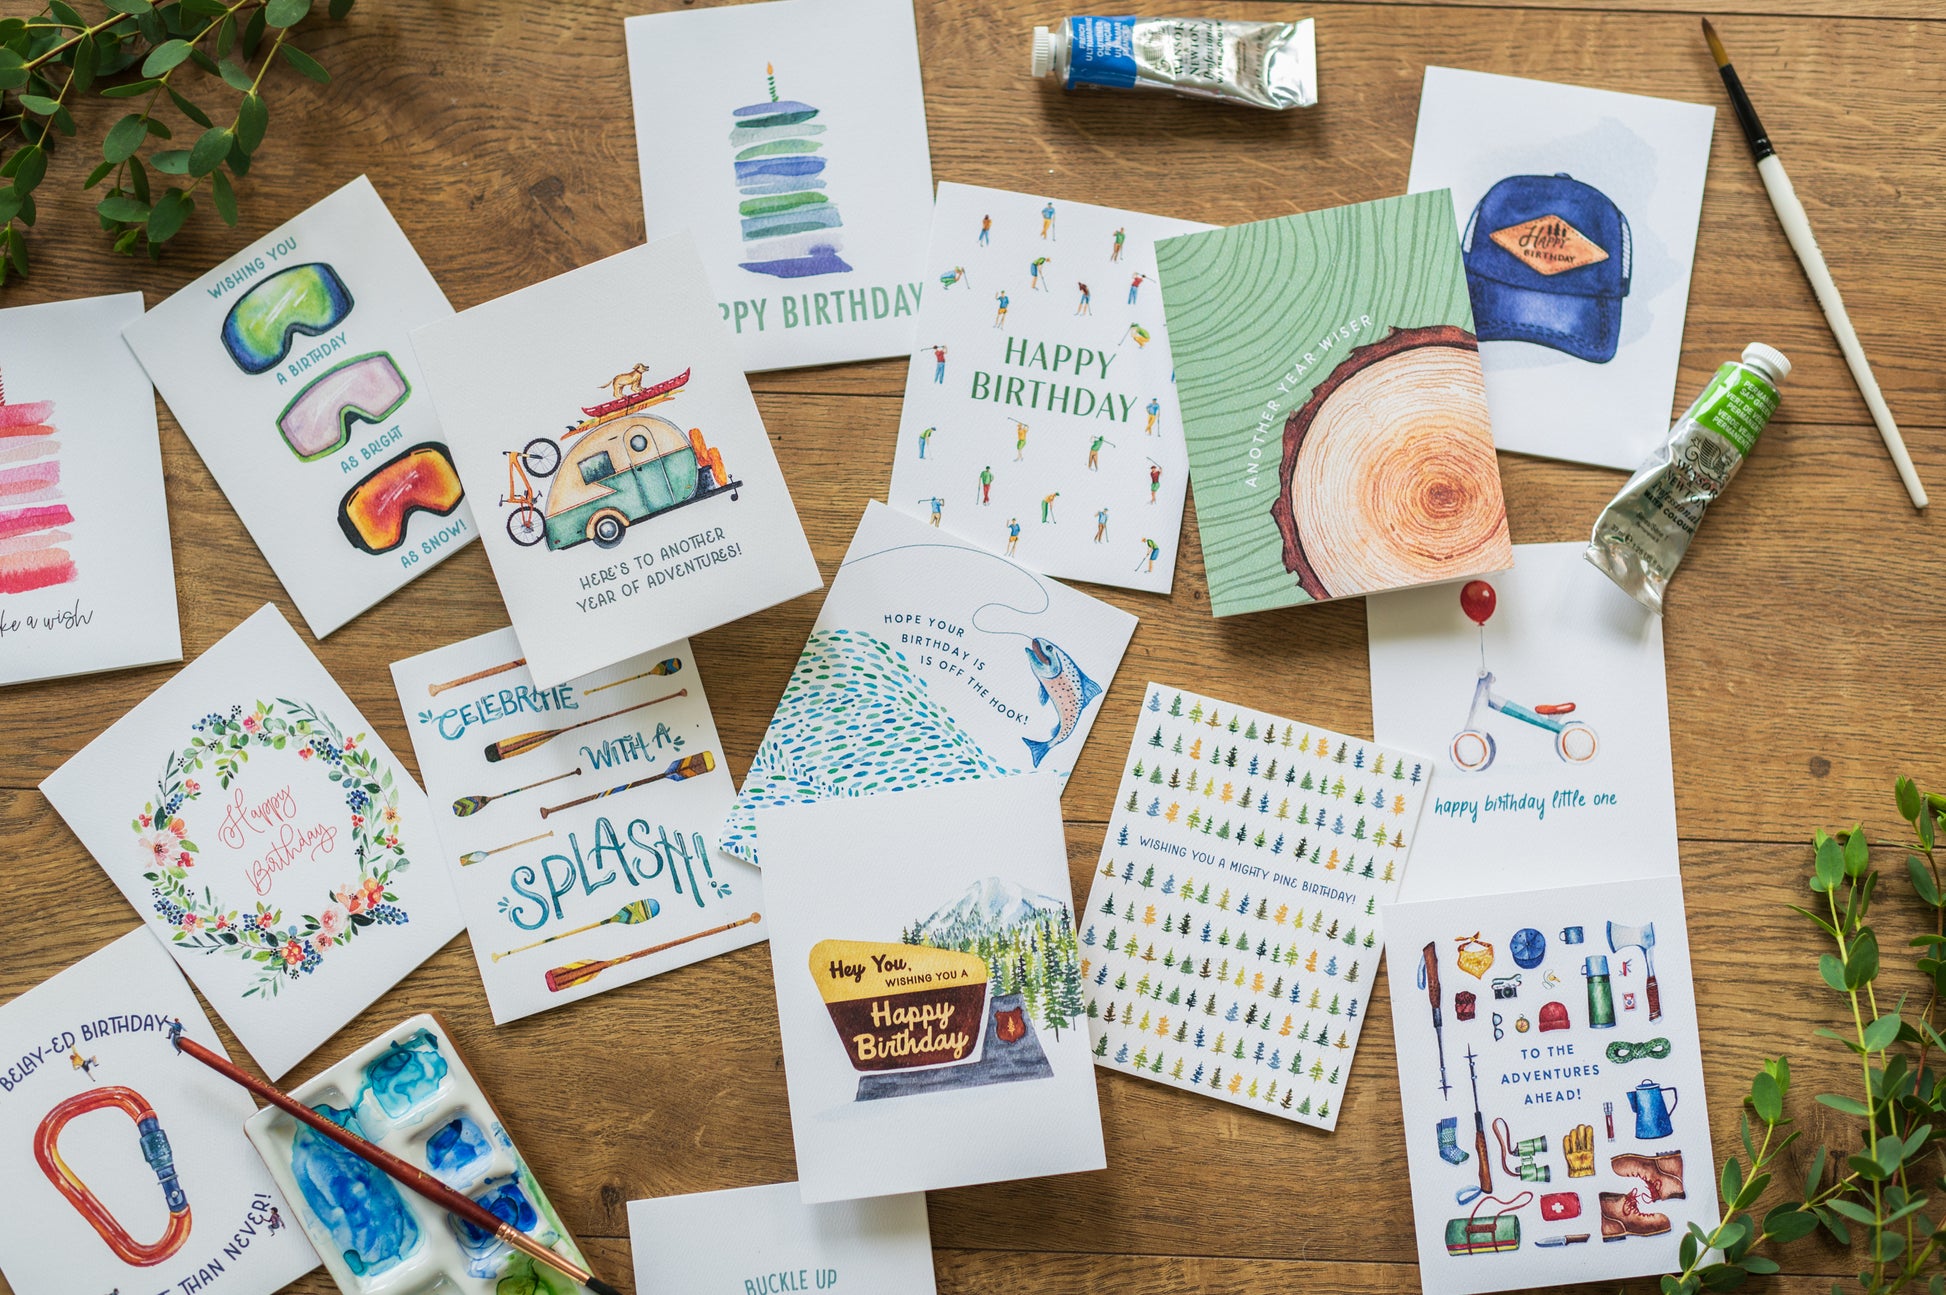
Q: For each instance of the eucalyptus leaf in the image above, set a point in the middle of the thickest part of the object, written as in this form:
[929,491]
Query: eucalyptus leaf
[189,109]
[304,63]
[163,57]
[209,151]
[286,13]
[124,137]
[223,197]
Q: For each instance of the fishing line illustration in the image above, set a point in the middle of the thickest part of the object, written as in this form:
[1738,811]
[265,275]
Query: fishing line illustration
[472,857]
[692,766]
[434,689]
[509,747]
[1473,748]
[155,1150]
[579,973]
[672,666]
[629,915]
[467,805]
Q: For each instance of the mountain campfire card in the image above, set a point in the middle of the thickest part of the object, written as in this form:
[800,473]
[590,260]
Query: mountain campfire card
[1040,416]
[621,443]
[290,368]
[932,661]
[86,578]
[1578,210]
[1235,960]
[578,820]
[805,179]
[929,989]
[267,836]
[1333,404]
[767,1239]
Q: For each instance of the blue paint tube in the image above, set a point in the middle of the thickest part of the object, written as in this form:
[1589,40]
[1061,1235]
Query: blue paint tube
[1263,64]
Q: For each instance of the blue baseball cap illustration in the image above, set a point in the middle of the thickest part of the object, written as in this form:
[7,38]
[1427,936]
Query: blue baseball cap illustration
[1548,261]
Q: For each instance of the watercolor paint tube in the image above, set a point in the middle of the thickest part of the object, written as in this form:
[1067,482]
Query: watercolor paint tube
[1263,64]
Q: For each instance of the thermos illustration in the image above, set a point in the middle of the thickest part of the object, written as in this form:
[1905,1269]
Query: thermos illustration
[1601,994]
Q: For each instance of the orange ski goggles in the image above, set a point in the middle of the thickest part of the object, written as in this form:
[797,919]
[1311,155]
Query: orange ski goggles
[374,512]
[155,1150]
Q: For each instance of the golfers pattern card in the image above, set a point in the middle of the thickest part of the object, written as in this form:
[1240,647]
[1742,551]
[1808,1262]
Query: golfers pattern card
[1551,1077]
[639,498]
[1578,211]
[1040,416]
[929,989]
[790,139]
[269,838]
[1541,694]
[86,578]
[578,820]
[290,368]
[127,1164]
[767,1239]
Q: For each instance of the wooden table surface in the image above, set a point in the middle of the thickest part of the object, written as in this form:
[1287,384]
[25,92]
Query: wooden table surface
[1803,642]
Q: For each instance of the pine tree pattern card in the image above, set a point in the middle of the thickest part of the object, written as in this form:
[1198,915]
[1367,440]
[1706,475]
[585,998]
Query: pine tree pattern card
[800,164]
[1333,404]
[1551,1080]
[928,989]
[932,661]
[127,1165]
[620,443]
[1231,935]
[290,368]
[767,1239]
[578,820]
[1040,416]
[269,838]
[86,578]
[1541,693]
[1578,211]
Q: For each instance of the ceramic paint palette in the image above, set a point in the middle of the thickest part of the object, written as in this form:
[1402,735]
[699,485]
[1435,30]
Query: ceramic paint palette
[411,1092]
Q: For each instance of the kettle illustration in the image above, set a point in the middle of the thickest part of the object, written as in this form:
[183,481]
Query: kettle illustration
[1651,1115]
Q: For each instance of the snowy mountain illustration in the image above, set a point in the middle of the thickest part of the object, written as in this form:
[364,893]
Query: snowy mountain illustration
[990,907]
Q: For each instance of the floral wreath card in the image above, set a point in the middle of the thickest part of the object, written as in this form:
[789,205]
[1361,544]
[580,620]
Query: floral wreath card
[267,836]
[1040,416]
[578,820]
[767,1239]
[128,1168]
[86,577]
[639,498]
[290,368]
[804,176]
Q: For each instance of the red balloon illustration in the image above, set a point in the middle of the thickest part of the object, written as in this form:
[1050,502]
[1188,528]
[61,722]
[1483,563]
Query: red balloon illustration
[1478,600]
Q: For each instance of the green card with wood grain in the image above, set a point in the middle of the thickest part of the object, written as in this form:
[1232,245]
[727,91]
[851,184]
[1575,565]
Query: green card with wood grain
[1333,404]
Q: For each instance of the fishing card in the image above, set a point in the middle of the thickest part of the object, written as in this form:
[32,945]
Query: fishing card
[269,838]
[578,821]
[768,1239]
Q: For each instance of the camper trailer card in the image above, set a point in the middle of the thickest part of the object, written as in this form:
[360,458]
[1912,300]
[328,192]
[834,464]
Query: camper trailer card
[767,1239]
[269,838]
[1231,936]
[803,174]
[86,580]
[1556,1130]
[1539,694]
[929,988]
[127,1166]
[932,661]
[290,367]
[1578,211]
[639,500]
[1040,416]
[578,821]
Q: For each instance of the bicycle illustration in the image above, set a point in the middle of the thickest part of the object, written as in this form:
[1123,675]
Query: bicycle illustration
[526,525]
[1473,748]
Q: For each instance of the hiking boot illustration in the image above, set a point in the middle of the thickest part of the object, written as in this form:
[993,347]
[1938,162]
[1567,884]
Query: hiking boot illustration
[1662,1174]
[1621,1217]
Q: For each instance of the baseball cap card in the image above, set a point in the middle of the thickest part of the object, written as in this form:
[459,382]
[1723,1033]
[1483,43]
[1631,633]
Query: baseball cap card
[1548,261]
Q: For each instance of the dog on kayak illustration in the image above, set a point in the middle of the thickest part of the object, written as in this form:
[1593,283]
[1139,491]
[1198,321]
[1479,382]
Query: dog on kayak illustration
[1064,686]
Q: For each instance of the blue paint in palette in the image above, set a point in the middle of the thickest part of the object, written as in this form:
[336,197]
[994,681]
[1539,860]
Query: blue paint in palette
[457,1150]
[506,1201]
[407,1074]
[369,1222]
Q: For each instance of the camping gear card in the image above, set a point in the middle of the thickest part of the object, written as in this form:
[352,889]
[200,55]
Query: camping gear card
[290,368]
[768,1239]
[638,497]
[1578,211]
[1236,960]
[803,173]
[127,1168]
[929,988]
[931,661]
[1040,416]
[1333,405]
[578,821]
[86,578]
[1552,1084]
[1540,694]
[268,837]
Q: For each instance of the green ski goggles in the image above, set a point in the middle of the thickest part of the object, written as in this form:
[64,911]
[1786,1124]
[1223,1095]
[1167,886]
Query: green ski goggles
[307,299]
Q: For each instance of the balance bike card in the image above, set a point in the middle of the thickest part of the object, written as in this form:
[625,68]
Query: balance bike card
[767,1239]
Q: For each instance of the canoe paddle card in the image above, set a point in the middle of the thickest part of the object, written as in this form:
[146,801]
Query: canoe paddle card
[578,821]
[290,367]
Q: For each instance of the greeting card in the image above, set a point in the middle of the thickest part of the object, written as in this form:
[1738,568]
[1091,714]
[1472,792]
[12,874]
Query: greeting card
[1040,416]
[768,1239]
[290,369]
[621,443]
[1578,211]
[86,581]
[268,837]
[929,988]
[577,819]
[932,661]
[1333,404]
[802,171]
[127,1165]
[1231,935]
[1541,694]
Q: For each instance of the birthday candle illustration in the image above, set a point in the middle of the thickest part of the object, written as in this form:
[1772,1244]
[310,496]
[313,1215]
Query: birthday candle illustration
[789,224]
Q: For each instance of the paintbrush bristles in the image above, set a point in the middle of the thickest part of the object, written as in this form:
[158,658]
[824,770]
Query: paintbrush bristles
[1717,51]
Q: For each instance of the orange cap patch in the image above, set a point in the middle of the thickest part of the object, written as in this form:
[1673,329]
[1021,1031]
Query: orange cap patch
[1549,245]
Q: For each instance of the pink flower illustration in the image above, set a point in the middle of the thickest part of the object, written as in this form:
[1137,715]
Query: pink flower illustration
[358,820]
[265,921]
[251,723]
[190,785]
[144,820]
[293,953]
[222,922]
[331,923]
[303,752]
[186,860]
[190,921]
[160,845]
[320,942]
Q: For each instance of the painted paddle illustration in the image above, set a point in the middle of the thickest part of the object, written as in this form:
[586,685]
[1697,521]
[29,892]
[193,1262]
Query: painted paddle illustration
[691,766]
[466,805]
[509,747]
[579,973]
[629,915]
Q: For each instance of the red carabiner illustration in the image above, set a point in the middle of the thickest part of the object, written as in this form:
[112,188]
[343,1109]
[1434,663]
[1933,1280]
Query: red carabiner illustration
[155,1149]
